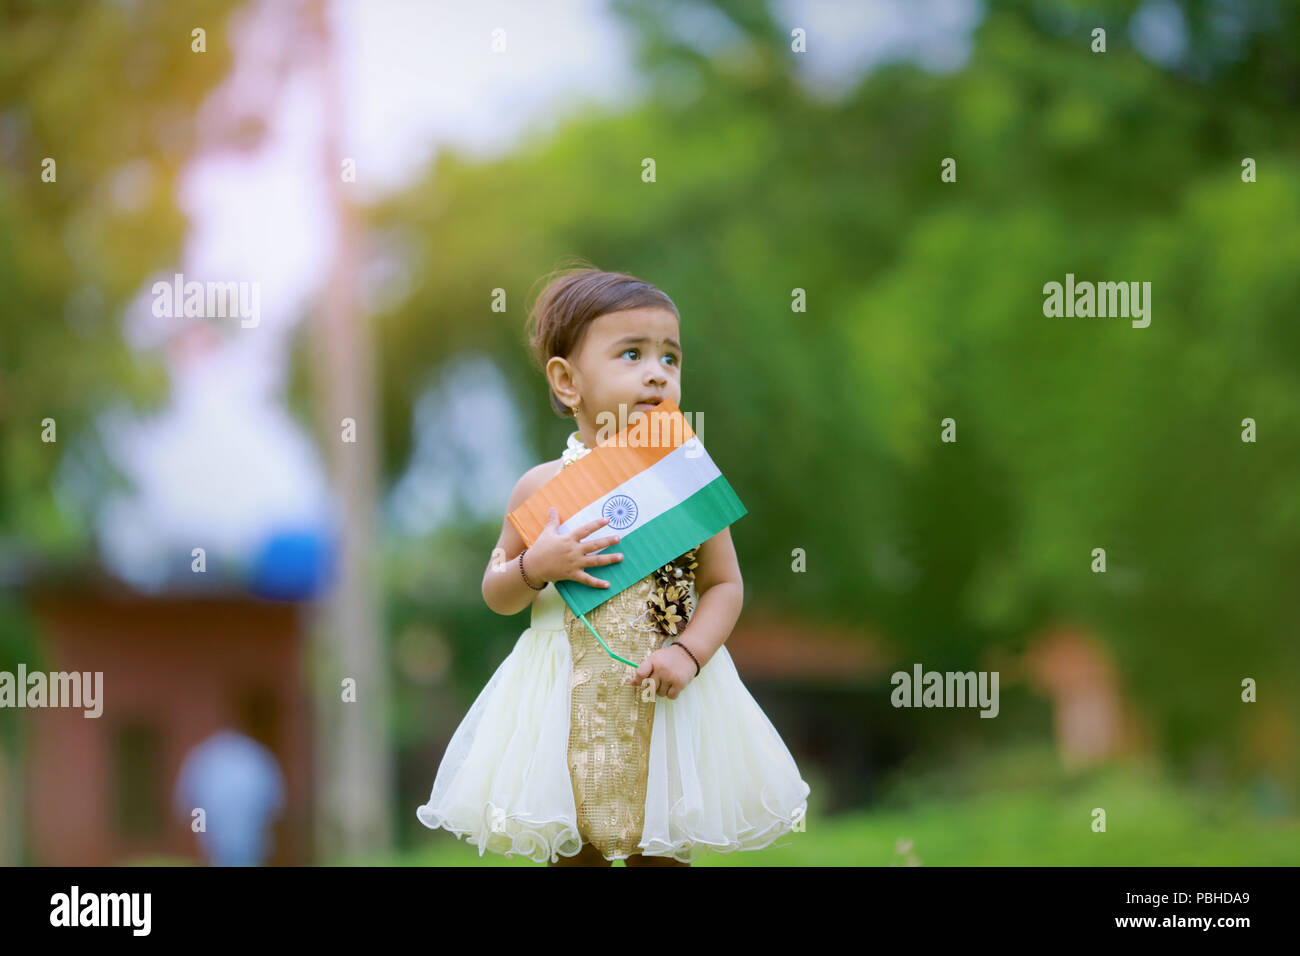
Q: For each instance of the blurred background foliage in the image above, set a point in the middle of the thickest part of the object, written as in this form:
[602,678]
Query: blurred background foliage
[90,86]
[94,87]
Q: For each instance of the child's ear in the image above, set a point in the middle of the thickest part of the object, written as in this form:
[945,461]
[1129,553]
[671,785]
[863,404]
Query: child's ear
[559,375]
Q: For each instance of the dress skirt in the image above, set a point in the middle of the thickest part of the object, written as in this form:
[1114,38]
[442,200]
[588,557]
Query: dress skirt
[557,752]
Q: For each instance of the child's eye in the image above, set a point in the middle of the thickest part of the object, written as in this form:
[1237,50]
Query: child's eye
[625,351]
[672,358]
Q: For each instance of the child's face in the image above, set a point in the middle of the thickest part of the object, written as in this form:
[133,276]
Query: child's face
[631,358]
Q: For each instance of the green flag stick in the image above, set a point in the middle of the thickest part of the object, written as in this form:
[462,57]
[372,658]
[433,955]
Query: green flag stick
[648,688]
[583,619]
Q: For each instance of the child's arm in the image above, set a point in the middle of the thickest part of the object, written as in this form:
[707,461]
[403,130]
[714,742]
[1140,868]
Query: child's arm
[504,589]
[720,592]
[553,557]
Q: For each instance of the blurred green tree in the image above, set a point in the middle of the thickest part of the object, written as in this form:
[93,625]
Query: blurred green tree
[107,92]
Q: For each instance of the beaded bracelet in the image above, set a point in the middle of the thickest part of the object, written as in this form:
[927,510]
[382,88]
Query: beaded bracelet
[525,576]
[693,657]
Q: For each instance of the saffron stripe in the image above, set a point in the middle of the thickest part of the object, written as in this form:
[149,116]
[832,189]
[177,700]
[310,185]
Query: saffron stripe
[595,475]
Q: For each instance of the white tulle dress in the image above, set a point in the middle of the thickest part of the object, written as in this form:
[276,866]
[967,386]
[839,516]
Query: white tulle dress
[716,773]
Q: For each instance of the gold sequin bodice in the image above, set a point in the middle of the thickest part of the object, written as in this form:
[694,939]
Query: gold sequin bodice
[609,727]
[610,724]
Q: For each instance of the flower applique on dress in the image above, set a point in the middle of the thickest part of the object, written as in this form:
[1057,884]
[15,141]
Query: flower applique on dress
[670,602]
[574,450]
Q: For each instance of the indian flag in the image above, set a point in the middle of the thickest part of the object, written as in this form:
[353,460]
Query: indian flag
[657,485]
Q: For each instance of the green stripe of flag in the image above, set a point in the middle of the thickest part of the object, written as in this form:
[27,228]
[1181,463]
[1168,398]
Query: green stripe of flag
[658,541]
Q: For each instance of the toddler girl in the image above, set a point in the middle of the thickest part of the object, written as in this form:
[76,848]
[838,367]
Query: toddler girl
[562,757]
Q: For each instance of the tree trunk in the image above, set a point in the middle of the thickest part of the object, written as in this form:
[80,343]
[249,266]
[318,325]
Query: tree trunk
[353,757]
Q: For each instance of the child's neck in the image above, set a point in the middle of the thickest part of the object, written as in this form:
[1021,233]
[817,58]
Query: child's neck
[586,432]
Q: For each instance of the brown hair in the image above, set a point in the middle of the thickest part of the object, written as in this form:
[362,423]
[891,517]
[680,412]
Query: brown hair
[572,299]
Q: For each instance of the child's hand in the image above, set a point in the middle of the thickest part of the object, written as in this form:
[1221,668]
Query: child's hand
[670,668]
[562,557]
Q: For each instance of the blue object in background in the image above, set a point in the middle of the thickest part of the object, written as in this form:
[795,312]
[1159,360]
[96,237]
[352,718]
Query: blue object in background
[239,786]
[292,566]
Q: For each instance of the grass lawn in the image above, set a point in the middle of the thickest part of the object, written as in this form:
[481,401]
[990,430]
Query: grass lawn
[1014,808]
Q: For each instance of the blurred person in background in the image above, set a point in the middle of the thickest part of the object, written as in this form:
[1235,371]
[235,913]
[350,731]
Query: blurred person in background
[238,783]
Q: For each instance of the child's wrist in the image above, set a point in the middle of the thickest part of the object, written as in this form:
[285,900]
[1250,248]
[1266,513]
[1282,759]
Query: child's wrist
[695,660]
[535,580]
